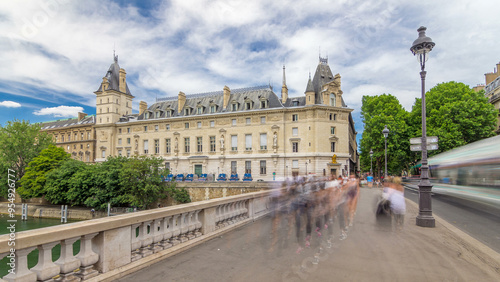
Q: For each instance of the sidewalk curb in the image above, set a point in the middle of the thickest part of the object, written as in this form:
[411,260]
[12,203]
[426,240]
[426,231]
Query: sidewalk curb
[483,252]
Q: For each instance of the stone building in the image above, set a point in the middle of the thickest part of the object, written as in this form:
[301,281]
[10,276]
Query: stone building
[232,131]
[492,91]
[75,135]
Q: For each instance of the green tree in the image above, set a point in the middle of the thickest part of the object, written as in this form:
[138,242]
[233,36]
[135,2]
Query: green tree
[141,179]
[33,181]
[376,112]
[20,142]
[60,181]
[456,114]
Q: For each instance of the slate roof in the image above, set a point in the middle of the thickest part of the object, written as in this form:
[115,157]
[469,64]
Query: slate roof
[193,101]
[322,76]
[88,120]
[113,76]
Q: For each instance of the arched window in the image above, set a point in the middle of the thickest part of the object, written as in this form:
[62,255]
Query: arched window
[333,100]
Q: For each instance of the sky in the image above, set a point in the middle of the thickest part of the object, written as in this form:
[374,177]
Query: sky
[54,53]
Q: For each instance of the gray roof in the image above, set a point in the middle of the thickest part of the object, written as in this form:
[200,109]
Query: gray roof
[295,102]
[205,100]
[322,76]
[113,76]
[310,87]
[88,120]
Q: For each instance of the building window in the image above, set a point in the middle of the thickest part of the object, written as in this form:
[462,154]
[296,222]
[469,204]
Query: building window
[199,124]
[103,153]
[295,163]
[248,167]
[146,115]
[248,120]
[248,142]
[248,105]
[55,138]
[295,147]
[212,123]
[81,146]
[186,111]
[295,117]
[88,158]
[296,103]
[62,138]
[234,107]
[234,167]
[156,127]
[234,142]
[128,129]
[81,135]
[120,153]
[200,110]
[167,127]
[295,131]
[263,169]
[332,146]
[263,141]
[145,128]
[128,141]
[68,148]
[128,152]
[69,137]
[76,136]
[167,146]
[333,116]
[157,114]
[168,113]
[186,125]
[332,100]
[146,147]
[332,130]
[233,121]
[212,143]
[119,141]
[212,109]
[167,166]
[157,146]
[262,119]
[186,145]
[119,131]
[199,144]
[263,104]
[88,135]
[74,147]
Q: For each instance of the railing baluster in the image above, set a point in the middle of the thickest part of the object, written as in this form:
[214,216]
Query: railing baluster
[146,239]
[87,257]
[167,226]
[176,230]
[46,268]
[67,261]
[22,272]
[157,232]
[198,224]
[183,227]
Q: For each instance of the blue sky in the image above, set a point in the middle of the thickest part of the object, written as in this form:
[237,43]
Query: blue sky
[54,53]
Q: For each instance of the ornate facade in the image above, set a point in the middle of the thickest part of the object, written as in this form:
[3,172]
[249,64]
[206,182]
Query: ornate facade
[75,135]
[232,131]
[492,91]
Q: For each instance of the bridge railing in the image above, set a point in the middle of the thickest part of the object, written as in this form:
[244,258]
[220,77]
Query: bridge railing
[110,243]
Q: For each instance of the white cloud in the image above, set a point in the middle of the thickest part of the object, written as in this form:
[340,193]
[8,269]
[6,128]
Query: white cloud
[60,111]
[10,104]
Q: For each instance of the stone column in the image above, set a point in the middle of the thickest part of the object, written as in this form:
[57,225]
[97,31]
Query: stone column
[208,220]
[67,261]
[45,268]
[87,257]
[22,272]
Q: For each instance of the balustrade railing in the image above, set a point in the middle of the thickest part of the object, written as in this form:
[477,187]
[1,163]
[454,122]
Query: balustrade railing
[107,244]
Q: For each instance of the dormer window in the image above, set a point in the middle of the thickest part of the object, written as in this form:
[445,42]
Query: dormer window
[248,104]
[263,104]
[199,110]
[295,103]
[213,109]
[168,113]
[146,115]
[187,111]
[234,106]
[333,100]
[157,114]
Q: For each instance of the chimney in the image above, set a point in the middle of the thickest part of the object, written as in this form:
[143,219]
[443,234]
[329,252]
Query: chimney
[123,81]
[81,116]
[284,88]
[181,101]
[143,106]
[227,95]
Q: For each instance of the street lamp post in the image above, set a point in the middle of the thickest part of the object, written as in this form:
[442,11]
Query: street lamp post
[421,48]
[385,132]
[371,162]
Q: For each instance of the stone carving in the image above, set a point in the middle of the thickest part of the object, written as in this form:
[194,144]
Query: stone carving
[275,139]
[176,145]
[222,142]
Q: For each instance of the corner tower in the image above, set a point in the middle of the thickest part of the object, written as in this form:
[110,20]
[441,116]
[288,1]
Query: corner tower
[113,98]
[326,85]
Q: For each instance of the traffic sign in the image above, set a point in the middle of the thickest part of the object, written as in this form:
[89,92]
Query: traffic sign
[429,139]
[430,147]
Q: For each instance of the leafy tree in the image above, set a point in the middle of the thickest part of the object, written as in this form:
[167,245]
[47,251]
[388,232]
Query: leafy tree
[33,181]
[376,112]
[456,114]
[59,181]
[180,195]
[20,142]
[141,179]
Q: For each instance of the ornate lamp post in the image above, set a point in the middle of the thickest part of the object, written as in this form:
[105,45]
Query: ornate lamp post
[385,132]
[421,48]
[371,162]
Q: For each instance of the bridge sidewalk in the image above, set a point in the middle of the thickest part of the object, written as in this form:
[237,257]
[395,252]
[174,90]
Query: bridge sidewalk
[371,252]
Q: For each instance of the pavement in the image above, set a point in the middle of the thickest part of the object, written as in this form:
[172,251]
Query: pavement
[372,251]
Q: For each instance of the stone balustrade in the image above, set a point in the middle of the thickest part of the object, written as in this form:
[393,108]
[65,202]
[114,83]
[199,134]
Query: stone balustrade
[111,244]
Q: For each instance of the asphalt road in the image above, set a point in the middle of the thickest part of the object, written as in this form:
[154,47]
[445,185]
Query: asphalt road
[478,220]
